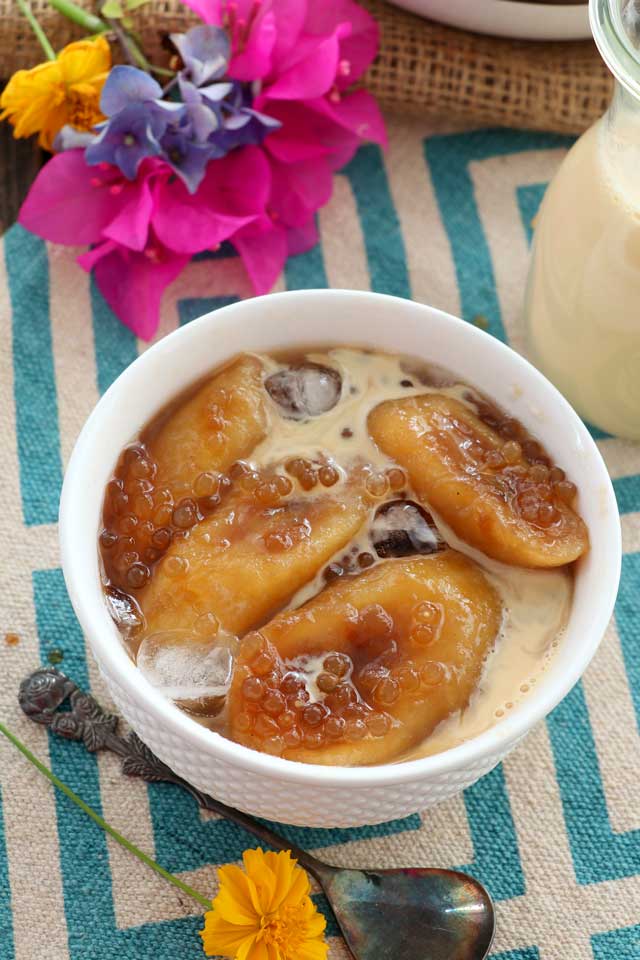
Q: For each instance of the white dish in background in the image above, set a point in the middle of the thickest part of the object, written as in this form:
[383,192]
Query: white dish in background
[506,18]
[270,787]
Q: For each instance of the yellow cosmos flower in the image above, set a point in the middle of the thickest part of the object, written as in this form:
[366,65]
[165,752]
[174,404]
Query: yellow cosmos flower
[60,91]
[264,913]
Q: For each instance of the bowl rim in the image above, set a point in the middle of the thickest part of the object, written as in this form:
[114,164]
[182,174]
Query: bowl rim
[114,661]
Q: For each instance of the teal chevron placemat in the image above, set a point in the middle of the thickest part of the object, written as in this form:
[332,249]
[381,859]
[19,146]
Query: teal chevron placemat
[554,832]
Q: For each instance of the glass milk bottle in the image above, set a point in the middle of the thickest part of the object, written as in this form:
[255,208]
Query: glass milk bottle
[582,308]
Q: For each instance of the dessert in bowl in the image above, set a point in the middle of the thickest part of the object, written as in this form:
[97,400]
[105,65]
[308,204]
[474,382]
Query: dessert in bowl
[332,584]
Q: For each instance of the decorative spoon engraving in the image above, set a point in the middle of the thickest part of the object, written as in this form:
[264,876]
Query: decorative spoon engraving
[418,913]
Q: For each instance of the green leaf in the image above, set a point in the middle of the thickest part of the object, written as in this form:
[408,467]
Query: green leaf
[112,9]
[134,4]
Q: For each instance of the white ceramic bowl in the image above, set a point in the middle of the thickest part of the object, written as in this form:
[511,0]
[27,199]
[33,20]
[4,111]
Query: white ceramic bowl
[313,795]
[507,18]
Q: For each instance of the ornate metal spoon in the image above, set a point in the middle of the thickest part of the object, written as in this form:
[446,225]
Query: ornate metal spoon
[421,913]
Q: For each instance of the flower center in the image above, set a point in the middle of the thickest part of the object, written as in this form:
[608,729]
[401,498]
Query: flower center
[83,110]
[237,27]
[129,140]
[282,930]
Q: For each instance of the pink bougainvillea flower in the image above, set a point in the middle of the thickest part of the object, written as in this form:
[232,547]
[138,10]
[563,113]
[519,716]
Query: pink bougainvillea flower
[290,62]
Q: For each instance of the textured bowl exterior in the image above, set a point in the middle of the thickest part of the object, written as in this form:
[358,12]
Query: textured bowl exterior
[300,804]
[277,789]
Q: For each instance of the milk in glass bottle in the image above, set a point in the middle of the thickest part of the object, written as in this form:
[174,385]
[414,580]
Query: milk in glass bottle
[582,308]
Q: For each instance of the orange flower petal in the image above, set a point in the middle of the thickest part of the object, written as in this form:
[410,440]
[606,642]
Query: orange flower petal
[235,899]
[219,937]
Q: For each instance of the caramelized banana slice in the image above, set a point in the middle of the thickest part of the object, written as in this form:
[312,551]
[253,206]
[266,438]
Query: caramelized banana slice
[175,475]
[247,559]
[482,487]
[368,667]
[222,423]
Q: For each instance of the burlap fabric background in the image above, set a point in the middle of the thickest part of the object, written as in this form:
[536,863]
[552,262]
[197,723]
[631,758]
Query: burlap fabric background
[444,217]
[423,68]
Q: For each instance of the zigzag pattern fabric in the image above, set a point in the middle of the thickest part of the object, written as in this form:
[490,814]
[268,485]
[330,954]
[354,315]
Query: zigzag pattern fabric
[445,218]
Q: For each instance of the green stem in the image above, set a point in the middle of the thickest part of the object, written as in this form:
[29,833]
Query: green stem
[88,21]
[98,819]
[37,29]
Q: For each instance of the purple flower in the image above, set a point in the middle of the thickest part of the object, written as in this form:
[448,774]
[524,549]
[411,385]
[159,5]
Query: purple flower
[127,138]
[187,157]
[205,52]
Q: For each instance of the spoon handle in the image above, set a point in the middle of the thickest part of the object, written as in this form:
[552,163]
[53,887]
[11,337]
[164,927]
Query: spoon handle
[44,691]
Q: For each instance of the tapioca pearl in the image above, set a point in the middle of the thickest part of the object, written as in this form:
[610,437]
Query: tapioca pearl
[378,724]
[432,673]
[534,453]
[249,482]
[427,612]
[511,451]
[278,541]
[283,484]
[206,484]
[528,506]
[407,678]
[244,722]
[346,433]
[547,515]
[138,485]
[355,730]
[524,688]
[274,703]
[556,475]
[397,478]
[273,745]
[253,689]
[308,478]
[338,664]
[566,491]
[176,566]
[509,428]
[263,663]
[239,469]
[286,720]
[295,466]
[301,699]
[327,682]
[267,493]
[375,622]
[424,634]
[143,468]
[119,501]
[266,726]
[185,514]
[108,539]
[142,506]
[406,383]
[328,476]
[314,714]
[355,711]
[539,473]
[252,645]
[386,692]
[313,739]
[365,559]
[161,538]
[292,738]
[151,556]
[377,485]
[208,504]
[334,727]
[162,495]
[342,696]
[163,514]
[369,678]
[128,523]
[291,684]
[137,575]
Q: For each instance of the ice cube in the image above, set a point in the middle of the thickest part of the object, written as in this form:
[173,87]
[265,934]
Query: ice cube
[305,390]
[183,667]
[402,528]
